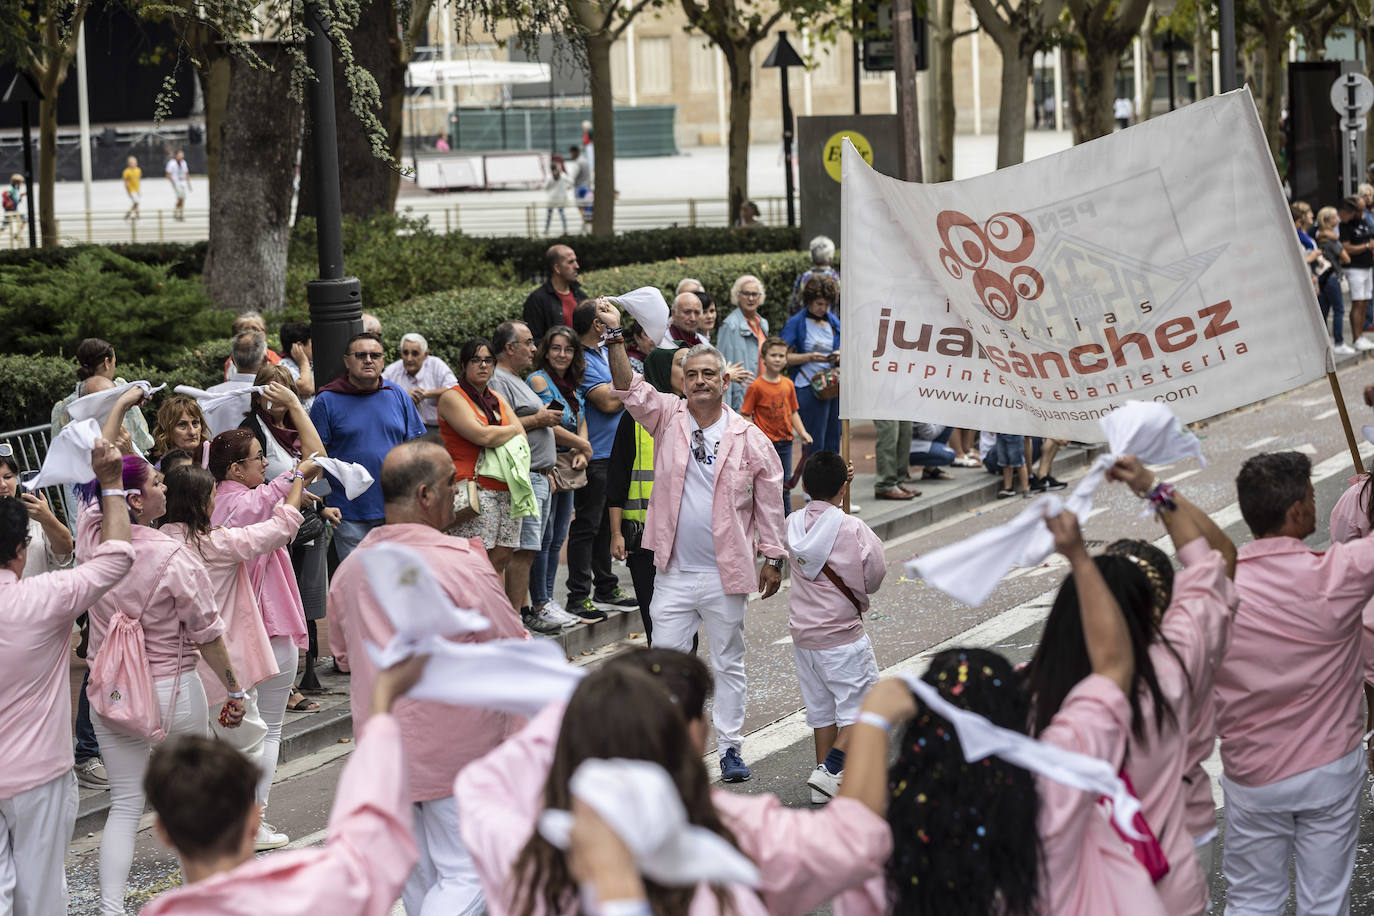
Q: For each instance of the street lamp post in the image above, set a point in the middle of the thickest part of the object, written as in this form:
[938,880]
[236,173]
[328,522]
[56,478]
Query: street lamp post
[336,301]
[783,56]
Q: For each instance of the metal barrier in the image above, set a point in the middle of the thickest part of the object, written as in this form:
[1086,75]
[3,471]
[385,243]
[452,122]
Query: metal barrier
[30,446]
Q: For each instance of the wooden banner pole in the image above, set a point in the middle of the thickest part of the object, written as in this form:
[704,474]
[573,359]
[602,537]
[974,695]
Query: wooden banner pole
[1345,422]
[844,453]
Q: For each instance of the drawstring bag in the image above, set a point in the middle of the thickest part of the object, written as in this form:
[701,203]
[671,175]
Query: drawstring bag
[1147,850]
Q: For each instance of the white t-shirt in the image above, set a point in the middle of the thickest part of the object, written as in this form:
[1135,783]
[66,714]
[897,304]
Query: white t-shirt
[694,549]
[179,172]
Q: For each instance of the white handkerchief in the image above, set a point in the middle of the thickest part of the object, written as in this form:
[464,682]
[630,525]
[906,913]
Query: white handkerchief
[518,676]
[979,738]
[649,309]
[69,456]
[639,801]
[412,598]
[1151,432]
[98,406]
[224,406]
[811,548]
[354,477]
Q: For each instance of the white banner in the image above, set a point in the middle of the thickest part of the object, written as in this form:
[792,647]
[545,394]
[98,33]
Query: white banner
[1159,263]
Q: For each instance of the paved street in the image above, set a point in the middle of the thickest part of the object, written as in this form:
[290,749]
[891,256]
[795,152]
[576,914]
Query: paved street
[909,619]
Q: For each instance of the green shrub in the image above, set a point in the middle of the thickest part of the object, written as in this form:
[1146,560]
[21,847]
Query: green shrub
[182,260]
[31,385]
[140,308]
[396,258]
[449,319]
[526,255]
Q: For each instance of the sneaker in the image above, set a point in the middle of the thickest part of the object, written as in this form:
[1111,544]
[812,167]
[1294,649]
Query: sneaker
[1039,484]
[618,598]
[823,783]
[555,611]
[1343,350]
[1027,493]
[90,774]
[268,838]
[1363,343]
[583,609]
[539,622]
[732,768]
[1006,493]
[1053,483]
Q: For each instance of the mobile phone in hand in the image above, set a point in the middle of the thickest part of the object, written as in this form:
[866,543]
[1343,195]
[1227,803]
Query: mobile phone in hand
[555,405]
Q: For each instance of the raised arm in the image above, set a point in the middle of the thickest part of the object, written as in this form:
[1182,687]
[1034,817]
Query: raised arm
[305,427]
[1185,522]
[622,373]
[1104,628]
[114,423]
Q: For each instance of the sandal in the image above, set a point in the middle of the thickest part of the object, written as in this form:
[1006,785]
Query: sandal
[303,704]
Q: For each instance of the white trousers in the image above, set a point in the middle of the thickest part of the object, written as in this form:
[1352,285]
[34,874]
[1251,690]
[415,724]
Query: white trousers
[126,760]
[247,739]
[35,827]
[273,695]
[683,601]
[1262,840]
[444,882]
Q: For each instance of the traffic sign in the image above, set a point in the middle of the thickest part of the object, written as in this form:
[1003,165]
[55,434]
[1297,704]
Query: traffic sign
[1361,99]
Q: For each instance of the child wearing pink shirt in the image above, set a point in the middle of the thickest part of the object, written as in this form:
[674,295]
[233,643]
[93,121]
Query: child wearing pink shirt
[837,562]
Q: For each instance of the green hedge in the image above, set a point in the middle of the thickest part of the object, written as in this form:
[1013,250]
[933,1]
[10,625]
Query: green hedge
[182,261]
[526,255]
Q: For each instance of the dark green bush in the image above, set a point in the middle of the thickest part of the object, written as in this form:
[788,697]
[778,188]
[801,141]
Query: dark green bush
[31,385]
[183,261]
[140,308]
[449,319]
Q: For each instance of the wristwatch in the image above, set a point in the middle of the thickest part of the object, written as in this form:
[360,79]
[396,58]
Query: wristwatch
[775,562]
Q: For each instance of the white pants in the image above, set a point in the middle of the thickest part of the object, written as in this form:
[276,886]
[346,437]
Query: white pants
[1262,839]
[126,760]
[247,739]
[682,602]
[35,827]
[273,695]
[444,882]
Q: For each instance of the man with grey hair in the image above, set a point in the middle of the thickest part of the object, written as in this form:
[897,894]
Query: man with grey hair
[822,258]
[689,285]
[423,376]
[247,355]
[371,324]
[685,319]
[249,321]
[705,547]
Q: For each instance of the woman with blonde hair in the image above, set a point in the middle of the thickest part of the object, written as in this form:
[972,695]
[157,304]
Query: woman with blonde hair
[180,425]
[1329,296]
[742,333]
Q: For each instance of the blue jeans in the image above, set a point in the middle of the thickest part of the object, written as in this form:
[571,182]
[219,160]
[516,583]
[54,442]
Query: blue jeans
[1010,451]
[348,534]
[821,419]
[1333,305]
[938,455]
[784,450]
[86,745]
[544,568]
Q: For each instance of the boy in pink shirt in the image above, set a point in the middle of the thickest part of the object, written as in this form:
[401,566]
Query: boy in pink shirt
[1288,699]
[837,562]
[203,793]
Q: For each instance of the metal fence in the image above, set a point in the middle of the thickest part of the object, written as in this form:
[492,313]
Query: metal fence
[30,446]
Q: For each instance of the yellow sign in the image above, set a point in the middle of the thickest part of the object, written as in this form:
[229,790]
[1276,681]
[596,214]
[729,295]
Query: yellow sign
[832,150]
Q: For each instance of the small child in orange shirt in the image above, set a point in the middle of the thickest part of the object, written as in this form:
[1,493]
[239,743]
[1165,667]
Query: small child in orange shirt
[770,402]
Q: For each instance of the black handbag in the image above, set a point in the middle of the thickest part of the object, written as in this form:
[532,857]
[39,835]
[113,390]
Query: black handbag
[312,526]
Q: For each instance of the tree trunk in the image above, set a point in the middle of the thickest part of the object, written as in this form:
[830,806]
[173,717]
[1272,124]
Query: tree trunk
[214,85]
[942,66]
[47,167]
[1099,91]
[603,132]
[1073,92]
[250,202]
[1271,95]
[366,182]
[1147,49]
[738,60]
[1202,59]
[1011,113]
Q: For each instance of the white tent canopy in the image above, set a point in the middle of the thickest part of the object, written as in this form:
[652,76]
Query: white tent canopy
[476,73]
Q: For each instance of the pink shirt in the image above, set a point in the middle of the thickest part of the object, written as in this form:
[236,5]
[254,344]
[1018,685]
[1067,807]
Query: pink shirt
[804,857]
[169,583]
[36,618]
[439,739]
[1288,690]
[224,551]
[746,511]
[360,869]
[819,616]
[1195,625]
[271,575]
[1348,522]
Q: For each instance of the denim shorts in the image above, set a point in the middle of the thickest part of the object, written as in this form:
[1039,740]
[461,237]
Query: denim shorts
[1010,451]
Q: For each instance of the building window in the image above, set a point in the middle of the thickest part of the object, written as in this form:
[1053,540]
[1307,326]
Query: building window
[655,59]
[702,61]
[620,71]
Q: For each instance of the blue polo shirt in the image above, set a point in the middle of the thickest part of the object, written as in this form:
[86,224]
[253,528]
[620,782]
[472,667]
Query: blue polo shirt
[362,428]
[600,425]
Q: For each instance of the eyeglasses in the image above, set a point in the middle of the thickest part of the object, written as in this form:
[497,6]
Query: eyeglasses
[481,361]
[367,356]
[262,456]
[749,294]
[562,351]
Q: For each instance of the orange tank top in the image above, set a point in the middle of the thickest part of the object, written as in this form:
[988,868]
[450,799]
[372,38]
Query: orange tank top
[465,453]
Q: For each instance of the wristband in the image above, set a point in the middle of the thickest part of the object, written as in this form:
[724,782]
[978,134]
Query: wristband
[613,334]
[877,721]
[297,475]
[1162,497]
[120,493]
[237,696]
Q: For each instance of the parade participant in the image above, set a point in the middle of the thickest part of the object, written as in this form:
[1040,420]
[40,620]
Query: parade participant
[180,425]
[1293,768]
[95,371]
[50,542]
[837,562]
[650,705]
[225,551]
[417,482]
[202,793]
[170,593]
[704,547]
[37,788]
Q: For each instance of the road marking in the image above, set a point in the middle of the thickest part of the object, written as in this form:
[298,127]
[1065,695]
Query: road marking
[1327,414]
[1307,448]
[782,642]
[1313,402]
[1175,478]
[1258,442]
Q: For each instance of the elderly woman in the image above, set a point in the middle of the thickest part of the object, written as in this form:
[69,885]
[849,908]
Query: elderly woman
[742,333]
[822,256]
[180,425]
[95,371]
[813,334]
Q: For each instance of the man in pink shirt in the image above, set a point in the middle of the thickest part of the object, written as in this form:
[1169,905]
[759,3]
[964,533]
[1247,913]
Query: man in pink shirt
[203,792]
[1288,699]
[37,788]
[716,505]
[417,481]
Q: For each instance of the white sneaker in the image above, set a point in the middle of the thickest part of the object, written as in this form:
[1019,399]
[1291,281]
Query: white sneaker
[1343,350]
[823,783]
[854,508]
[268,838]
[554,611]
[1363,343]
[546,616]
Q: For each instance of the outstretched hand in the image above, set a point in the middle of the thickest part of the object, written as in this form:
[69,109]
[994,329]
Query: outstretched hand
[607,313]
[1135,475]
[1068,538]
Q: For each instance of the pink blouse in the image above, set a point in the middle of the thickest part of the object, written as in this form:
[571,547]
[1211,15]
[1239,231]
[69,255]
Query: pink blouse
[270,575]
[169,583]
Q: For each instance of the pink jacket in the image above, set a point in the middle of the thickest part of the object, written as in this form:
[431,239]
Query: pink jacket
[439,739]
[819,616]
[360,869]
[168,582]
[1288,690]
[224,551]
[1195,624]
[36,616]
[805,857]
[1348,522]
[746,513]
[271,575]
